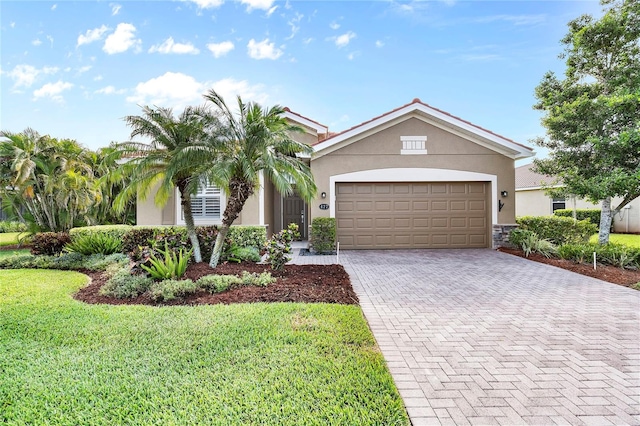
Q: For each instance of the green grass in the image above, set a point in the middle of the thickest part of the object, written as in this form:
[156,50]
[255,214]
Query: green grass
[7,253]
[9,238]
[64,362]
[632,240]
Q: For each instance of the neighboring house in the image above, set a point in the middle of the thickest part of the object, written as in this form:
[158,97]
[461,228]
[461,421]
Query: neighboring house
[531,200]
[414,177]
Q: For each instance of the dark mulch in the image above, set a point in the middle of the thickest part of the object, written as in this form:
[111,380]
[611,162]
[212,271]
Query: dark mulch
[297,283]
[609,273]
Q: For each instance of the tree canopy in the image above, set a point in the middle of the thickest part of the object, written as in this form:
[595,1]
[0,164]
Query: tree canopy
[592,115]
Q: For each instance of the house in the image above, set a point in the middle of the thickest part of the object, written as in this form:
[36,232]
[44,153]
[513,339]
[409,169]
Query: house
[413,177]
[531,200]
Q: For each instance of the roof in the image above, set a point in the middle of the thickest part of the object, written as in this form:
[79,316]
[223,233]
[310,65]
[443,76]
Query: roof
[528,179]
[321,129]
[508,146]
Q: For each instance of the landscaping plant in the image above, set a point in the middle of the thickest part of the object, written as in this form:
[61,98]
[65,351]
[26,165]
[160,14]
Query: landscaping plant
[279,246]
[171,265]
[88,244]
[323,234]
[49,243]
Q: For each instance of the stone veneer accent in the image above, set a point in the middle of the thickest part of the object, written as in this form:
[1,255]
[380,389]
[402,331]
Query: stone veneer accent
[501,235]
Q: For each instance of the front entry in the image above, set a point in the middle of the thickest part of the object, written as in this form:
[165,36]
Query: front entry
[294,211]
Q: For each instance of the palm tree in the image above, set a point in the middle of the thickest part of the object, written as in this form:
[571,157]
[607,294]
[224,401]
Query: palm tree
[50,178]
[257,140]
[165,160]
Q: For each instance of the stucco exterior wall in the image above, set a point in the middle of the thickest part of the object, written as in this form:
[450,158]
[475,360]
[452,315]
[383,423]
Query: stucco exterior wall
[534,202]
[148,213]
[445,150]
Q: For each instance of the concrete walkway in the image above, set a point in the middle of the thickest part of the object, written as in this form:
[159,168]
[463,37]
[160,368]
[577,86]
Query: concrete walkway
[482,337]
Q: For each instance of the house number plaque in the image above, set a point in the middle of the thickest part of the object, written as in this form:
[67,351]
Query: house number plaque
[324,206]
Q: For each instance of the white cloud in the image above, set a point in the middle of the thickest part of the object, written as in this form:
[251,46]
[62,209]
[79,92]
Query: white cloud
[220,49]
[36,42]
[97,78]
[344,39]
[169,46]
[207,4]
[334,25]
[258,4]
[109,90]
[379,43]
[480,57]
[115,8]
[122,39]
[52,90]
[25,75]
[351,56]
[263,50]
[84,69]
[294,24]
[514,19]
[54,7]
[92,35]
[308,40]
[177,90]
[50,39]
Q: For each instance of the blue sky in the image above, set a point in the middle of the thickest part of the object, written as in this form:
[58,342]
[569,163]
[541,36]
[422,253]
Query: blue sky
[75,69]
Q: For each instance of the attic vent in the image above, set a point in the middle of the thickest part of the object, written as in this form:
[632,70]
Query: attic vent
[413,145]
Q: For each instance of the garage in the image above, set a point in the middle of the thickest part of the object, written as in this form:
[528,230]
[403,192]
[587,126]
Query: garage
[392,215]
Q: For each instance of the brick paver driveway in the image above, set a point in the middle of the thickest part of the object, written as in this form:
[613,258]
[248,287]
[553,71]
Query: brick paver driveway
[482,337]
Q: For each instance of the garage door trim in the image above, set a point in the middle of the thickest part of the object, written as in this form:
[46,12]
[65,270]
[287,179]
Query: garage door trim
[415,175]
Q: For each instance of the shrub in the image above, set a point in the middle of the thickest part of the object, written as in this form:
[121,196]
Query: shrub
[260,280]
[618,255]
[529,242]
[115,231]
[323,234]
[558,230]
[171,265]
[123,284]
[218,283]
[242,254]
[519,235]
[279,246]
[167,290]
[137,237]
[17,261]
[98,262]
[592,215]
[49,243]
[11,226]
[94,243]
[248,236]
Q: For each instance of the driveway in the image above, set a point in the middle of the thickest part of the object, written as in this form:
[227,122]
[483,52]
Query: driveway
[482,337]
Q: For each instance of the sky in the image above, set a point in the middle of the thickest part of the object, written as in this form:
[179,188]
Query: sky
[76,69]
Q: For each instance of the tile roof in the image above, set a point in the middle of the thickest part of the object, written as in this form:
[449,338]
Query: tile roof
[527,178]
[418,101]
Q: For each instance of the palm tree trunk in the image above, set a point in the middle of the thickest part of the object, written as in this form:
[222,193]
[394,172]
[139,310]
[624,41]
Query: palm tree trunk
[239,191]
[185,200]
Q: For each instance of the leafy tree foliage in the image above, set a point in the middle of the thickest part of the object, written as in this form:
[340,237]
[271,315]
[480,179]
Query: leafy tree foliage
[592,116]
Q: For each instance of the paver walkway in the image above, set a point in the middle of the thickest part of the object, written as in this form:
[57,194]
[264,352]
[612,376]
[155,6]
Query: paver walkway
[482,337]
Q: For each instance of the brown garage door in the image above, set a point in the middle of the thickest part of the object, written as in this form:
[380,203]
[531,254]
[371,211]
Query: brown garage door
[412,215]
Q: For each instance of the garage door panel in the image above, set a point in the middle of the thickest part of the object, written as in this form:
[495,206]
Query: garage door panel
[412,215]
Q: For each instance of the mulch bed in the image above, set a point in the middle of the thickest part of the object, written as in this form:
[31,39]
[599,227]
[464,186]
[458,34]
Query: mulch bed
[609,273]
[297,283]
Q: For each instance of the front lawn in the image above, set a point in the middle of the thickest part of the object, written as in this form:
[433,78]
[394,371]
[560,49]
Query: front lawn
[9,238]
[64,362]
[632,240]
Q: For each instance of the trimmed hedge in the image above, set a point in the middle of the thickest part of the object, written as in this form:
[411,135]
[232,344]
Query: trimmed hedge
[116,231]
[592,215]
[558,230]
[10,226]
[323,234]
[49,243]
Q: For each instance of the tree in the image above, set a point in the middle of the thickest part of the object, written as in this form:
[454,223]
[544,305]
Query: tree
[592,116]
[49,178]
[256,141]
[165,160]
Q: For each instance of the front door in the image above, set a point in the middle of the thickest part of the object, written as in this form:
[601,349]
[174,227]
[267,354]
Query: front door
[294,212]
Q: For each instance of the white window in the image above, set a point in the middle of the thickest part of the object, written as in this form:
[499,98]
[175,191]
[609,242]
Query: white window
[206,205]
[413,145]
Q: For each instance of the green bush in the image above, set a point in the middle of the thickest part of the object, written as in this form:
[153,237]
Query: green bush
[172,265]
[11,226]
[323,234]
[558,230]
[580,253]
[592,215]
[279,246]
[248,236]
[519,235]
[94,243]
[260,280]
[98,262]
[115,231]
[218,283]
[18,261]
[167,290]
[123,284]
[242,254]
[49,243]
[611,254]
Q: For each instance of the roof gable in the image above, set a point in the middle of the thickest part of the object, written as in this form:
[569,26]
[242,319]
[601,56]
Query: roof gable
[528,179]
[433,116]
